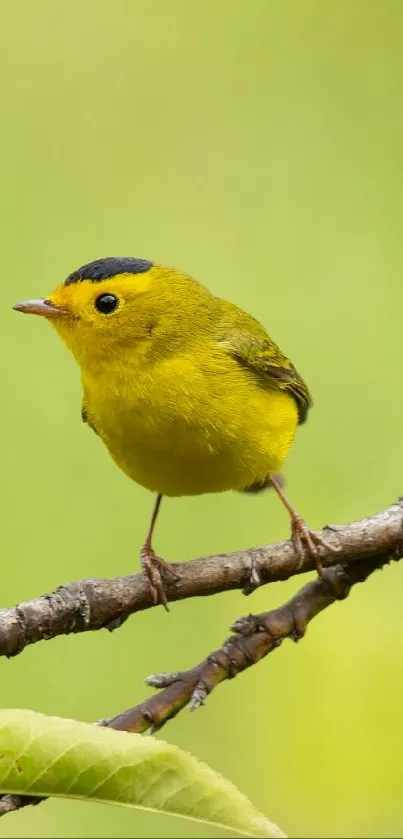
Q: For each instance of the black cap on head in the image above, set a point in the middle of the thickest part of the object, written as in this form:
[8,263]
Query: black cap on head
[102,269]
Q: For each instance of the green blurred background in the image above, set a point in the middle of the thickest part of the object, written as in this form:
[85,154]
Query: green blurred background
[259,146]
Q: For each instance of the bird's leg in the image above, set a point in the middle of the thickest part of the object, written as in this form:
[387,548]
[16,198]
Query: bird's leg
[304,539]
[153,564]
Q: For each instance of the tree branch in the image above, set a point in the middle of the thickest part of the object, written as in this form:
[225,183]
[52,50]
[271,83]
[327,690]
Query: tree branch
[254,637]
[98,603]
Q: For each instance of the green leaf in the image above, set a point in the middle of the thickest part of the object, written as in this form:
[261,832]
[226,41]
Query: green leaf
[50,756]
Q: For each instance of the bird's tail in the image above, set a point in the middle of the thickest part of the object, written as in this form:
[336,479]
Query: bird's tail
[260,486]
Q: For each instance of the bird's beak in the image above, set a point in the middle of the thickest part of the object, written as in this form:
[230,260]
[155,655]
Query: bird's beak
[40,306]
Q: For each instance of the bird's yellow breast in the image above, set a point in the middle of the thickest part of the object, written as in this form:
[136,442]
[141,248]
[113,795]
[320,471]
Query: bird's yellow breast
[185,427]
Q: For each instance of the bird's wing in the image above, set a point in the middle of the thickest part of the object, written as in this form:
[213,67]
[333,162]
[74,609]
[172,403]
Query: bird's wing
[255,351]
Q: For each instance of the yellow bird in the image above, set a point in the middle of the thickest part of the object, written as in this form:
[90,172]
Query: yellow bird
[187,391]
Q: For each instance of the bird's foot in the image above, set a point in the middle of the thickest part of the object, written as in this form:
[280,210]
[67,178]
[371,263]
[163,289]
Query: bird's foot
[155,567]
[307,541]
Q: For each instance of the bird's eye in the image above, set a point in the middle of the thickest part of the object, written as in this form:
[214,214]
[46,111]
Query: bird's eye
[106,303]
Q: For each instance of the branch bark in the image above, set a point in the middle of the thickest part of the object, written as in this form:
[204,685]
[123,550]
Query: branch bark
[254,637]
[94,604]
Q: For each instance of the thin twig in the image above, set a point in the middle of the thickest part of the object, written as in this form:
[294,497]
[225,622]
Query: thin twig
[97,603]
[254,637]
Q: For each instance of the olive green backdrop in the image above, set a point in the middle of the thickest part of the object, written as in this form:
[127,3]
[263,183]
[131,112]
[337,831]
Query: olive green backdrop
[258,145]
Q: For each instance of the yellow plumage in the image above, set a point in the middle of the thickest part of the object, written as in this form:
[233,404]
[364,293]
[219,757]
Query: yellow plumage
[163,389]
[187,391]
[175,431]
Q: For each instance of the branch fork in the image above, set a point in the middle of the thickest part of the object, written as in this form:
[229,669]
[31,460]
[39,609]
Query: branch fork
[363,547]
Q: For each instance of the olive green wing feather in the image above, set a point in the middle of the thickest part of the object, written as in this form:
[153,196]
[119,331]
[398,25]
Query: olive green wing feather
[255,351]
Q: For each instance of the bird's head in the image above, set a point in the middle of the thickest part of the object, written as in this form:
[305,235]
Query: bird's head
[112,305]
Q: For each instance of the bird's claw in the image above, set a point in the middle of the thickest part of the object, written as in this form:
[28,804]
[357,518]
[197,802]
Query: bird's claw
[153,565]
[307,541]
